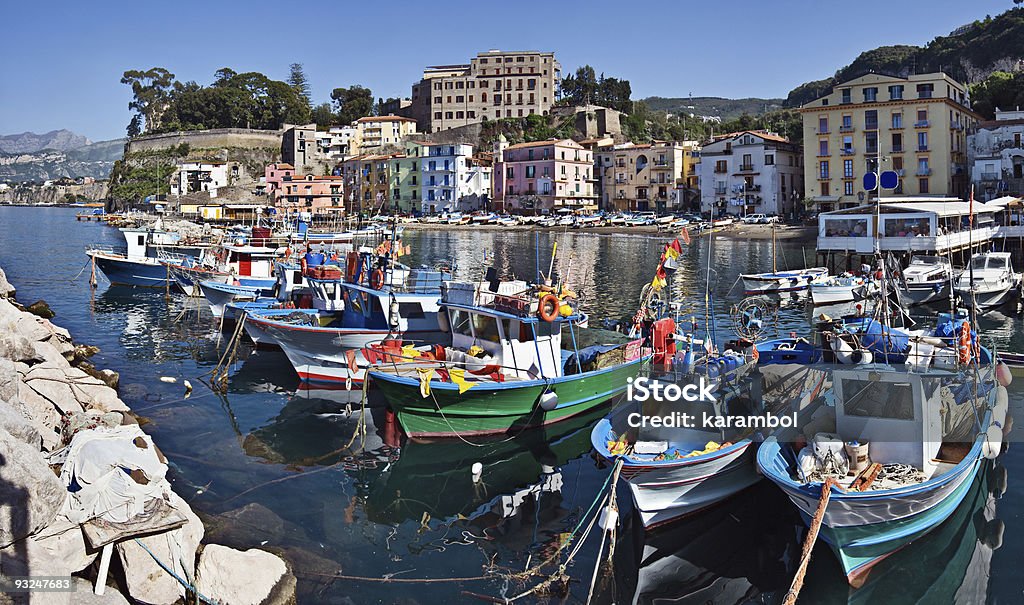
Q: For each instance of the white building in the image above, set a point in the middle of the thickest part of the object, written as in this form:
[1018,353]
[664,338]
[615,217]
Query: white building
[194,177]
[995,154]
[751,172]
[337,142]
[452,180]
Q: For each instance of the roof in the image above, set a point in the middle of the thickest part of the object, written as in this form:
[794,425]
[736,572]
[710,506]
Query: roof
[385,119]
[1004,201]
[939,206]
[547,142]
[283,166]
[764,134]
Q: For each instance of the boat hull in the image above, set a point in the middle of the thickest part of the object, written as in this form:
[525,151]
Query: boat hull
[121,271]
[987,299]
[828,295]
[218,295]
[496,408]
[788,281]
[924,293]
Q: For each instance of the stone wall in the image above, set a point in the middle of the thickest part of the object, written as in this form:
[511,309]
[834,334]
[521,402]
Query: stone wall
[208,139]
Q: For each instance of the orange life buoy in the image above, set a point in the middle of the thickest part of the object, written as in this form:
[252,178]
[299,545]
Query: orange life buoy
[377,279]
[548,308]
[963,348]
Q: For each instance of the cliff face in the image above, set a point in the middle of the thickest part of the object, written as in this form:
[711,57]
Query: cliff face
[30,142]
[93,160]
[54,194]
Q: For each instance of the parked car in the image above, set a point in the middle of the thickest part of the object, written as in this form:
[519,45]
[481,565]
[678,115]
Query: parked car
[753,219]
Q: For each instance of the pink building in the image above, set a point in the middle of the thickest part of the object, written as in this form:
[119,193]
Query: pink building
[543,177]
[274,174]
[309,193]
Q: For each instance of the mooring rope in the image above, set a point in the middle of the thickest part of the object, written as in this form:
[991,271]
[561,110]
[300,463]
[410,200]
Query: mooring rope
[809,540]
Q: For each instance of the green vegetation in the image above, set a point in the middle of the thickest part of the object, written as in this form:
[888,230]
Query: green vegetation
[142,174]
[586,87]
[351,103]
[1000,90]
[527,129]
[727,109]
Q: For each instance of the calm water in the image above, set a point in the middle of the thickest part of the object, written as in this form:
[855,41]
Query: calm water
[269,467]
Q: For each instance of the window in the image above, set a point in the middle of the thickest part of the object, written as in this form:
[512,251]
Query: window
[847,145]
[437,115]
[922,167]
[510,172]
[848,169]
[824,188]
[922,185]
[897,142]
[897,119]
[871,120]
[893,400]
[846,96]
[460,99]
[922,118]
[769,160]
[871,142]
[823,147]
[530,172]
[823,125]
[870,95]
[922,141]
[896,92]
[897,163]
[924,91]
[847,122]
[848,188]
[823,170]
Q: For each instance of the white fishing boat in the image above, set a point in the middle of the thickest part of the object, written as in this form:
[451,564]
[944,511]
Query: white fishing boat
[840,289]
[989,281]
[927,279]
[776,281]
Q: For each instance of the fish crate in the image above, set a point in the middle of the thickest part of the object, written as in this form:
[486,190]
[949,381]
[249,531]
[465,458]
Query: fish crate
[323,272]
[514,305]
[458,292]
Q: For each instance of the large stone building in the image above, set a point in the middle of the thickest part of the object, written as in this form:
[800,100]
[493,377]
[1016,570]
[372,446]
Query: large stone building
[751,172]
[918,125]
[996,156]
[543,177]
[495,84]
[646,177]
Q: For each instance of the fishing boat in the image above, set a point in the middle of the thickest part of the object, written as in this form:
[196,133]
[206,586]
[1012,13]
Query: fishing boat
[776,281]
[144,260]
[507,221]
[840,289]
[915,442]
[989,281]
[504,368]
[926,279]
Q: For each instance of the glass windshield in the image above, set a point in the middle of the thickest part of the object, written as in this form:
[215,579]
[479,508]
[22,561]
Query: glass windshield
[997,263]
[978,262]
[924,260]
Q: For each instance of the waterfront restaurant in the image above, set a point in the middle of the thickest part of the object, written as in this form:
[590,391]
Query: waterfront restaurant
[919,224]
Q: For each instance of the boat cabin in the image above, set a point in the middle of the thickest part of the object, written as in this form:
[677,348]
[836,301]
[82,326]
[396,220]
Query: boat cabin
[144,243]
[897,413]
[360,306]
[250,261]
[923,269]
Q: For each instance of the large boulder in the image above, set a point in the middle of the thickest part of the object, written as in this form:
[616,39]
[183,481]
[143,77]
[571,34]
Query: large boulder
[41,309]
[51,383]
[41,414]
[252,577]
[59,553]
[147,581]
[6,289]
[9,378]
[15,347]
[17,425]
[50,354]
[31,494]
[84,595]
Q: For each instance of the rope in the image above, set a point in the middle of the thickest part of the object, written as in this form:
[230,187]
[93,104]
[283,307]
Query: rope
[189,587]
[809,540]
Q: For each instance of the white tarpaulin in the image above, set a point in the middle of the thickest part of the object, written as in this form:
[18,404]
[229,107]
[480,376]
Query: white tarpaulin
[110,473]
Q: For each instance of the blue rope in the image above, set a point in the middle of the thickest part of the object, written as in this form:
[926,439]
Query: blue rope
[184,583]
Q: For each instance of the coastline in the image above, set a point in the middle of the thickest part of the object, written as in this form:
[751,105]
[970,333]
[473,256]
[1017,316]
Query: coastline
[66,444]
[738,231]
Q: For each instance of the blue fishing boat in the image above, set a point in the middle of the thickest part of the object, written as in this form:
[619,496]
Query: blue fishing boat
[144,261]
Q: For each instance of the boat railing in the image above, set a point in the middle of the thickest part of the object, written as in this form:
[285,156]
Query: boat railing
[392,358]
[108,249]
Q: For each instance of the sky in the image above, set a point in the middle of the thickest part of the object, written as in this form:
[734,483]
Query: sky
[65,59]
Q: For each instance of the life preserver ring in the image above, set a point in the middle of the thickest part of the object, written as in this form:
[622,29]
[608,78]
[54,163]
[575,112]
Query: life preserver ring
[548,308]
[377,279]
[963,347]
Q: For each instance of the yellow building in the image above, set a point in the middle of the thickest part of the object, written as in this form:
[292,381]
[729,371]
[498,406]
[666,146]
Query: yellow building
[647,177]
[374,133]
[917,124]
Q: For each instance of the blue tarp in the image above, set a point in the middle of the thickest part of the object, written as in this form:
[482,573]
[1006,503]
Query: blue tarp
[874,336]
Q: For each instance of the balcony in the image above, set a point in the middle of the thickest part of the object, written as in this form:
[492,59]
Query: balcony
[871,151]
[846,128]
[824,131]
[660,163]
[990,176]
[897,149]
[823,177]
[956,125]
[921,124]
[922,148]
[746,168]
[896,126]
[924,172]
[721,169]
[848,151]
[924,94]
[620,180]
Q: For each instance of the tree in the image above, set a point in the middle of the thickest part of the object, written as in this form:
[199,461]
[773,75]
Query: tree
[135,126]
[352,103]
[297,80]
[323,115]
[151,90]
[999,90]
[223,75]
[381,108]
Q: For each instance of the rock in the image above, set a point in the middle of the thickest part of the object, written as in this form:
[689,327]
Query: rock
[8,379]
[16,347]
[60,553]
[50,354]
[6,289]
[84,594]
[32,328]
[31,494]
[83,352]
[252,577]
[110,377]
[146,581]
[52,384]
[17,425]
[41,309]
[38,408]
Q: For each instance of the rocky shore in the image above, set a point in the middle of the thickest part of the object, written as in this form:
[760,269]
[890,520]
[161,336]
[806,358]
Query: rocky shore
[83,488]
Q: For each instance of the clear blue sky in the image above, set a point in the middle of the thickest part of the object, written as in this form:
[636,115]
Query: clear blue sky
[65,59]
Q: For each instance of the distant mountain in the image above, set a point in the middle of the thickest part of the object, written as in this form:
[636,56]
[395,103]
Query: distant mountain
[61,153]
[727,109]
[969,53]
[30,142]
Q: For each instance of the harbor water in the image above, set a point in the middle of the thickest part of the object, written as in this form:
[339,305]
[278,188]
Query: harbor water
[270,465]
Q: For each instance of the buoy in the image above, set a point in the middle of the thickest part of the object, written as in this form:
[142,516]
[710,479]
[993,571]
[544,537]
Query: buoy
[188,389]
[393,315]
[478,471]
[548,401]
[609,518]
[1001,407]
[168,379]
[548,308]
[993,534]
[1003,374]
[847,355]
[992,446]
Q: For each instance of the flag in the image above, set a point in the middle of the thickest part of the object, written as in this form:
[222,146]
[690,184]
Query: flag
[671,253]
[685,235]
[350,356]
[709,346]
[676,247]
[755,354]
[425,375]
[458,376]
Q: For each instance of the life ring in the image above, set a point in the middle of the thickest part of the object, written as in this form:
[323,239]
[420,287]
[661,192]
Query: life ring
[548,308]
[376,279]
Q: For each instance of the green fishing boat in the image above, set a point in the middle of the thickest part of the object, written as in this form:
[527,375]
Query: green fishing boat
[506,368]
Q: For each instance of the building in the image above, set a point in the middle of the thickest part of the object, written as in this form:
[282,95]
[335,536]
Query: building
[336,142]
[404,176]
[299,146]
[317,194]
[918,125]
[494,84]
[543,177]
[452,179]
[996,155]
[644,177]
[751,172]
[195,177]
[368,185]
[374,133]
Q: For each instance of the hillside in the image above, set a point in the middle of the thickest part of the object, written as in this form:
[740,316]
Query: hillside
[64,160]
[727,109]
[969,54]
[30,142]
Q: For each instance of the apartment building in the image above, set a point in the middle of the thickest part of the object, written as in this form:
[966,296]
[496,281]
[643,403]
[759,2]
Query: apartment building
[195,177]
[368,186]
[318,194]
[645,177]
[494,84]
[543,177]
[751,172]
[452,179]
[996,156]
[373,133]
[918,125]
